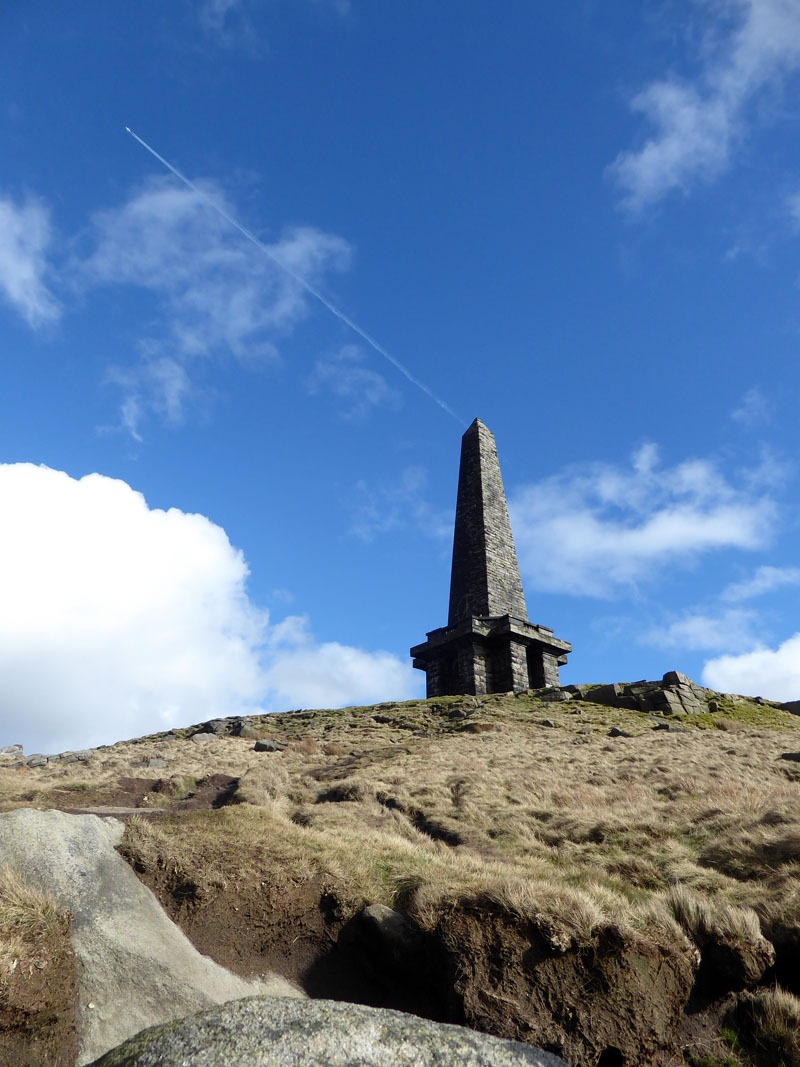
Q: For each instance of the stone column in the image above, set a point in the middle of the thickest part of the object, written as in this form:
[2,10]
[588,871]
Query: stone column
[472,668]
[550,669]
[518,663]
[434,683]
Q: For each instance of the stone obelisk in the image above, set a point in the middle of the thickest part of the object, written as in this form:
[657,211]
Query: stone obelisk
[489,645]
[485,578]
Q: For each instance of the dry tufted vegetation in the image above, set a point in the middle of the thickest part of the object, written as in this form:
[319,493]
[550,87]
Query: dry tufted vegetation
[29,923]
[769,1022]
[621,819]
[38,982]
[687,837]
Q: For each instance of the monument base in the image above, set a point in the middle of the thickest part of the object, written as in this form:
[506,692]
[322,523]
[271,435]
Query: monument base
[490,655]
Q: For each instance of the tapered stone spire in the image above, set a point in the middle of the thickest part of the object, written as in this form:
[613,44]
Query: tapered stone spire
[485,578]
[488,645]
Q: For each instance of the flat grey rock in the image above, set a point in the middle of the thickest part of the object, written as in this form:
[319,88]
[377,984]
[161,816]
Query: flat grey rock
[202,739]
[271,1032]
[136,968]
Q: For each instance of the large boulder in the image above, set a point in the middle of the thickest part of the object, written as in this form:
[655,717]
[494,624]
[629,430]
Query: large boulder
[135,966]
[267,1032]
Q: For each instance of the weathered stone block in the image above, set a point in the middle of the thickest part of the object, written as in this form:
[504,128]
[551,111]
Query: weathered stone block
[266,744]
[676,678]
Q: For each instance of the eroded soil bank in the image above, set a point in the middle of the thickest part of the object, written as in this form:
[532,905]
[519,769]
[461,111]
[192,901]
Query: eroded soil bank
[615,999]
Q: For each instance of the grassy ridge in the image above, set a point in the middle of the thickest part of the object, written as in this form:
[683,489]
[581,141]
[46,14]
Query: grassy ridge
[691,836]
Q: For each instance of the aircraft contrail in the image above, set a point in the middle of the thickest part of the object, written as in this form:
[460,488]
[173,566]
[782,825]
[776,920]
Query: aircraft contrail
[300,281]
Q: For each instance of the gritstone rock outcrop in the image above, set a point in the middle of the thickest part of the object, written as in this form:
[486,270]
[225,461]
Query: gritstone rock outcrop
[266,1032]
[135,966]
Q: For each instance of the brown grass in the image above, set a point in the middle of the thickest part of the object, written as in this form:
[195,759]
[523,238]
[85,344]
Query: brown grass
[770,1022]
[690,831]
[704,920]
[29,921]
[263,784]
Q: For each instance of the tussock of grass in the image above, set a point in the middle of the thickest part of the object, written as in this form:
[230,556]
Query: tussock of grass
[29,920]
[349,789]
[747,853]
[263,784]
[566,917]
[770,1021]
[182,786]
[704,921]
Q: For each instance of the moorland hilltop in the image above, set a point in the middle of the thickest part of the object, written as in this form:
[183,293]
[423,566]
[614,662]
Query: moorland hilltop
[617,883]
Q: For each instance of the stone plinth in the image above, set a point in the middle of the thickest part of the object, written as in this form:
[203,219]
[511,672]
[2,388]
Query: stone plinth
[490,655]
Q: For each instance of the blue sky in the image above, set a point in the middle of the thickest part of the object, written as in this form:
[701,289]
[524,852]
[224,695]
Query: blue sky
[579,222]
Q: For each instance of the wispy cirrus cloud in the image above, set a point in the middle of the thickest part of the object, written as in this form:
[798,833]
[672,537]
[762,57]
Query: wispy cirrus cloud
[749,46]
[400,506]
[793,205]
[231,23]
[215,290]
[215,16]
[213,294]
[158,384]
[730,623]
[357,387]
[765,580]
[754,409]
[600,530]
[730,630]
[25,235]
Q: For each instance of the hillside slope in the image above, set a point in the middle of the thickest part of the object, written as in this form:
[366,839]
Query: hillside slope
[613,885]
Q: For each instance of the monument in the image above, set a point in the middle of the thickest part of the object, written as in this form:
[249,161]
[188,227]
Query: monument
[489,645]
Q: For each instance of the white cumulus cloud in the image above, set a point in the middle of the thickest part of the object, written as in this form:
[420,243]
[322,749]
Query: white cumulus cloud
[598,529]
[749,46]
[24,241]
[771,673]
[304,673]
[119,619]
